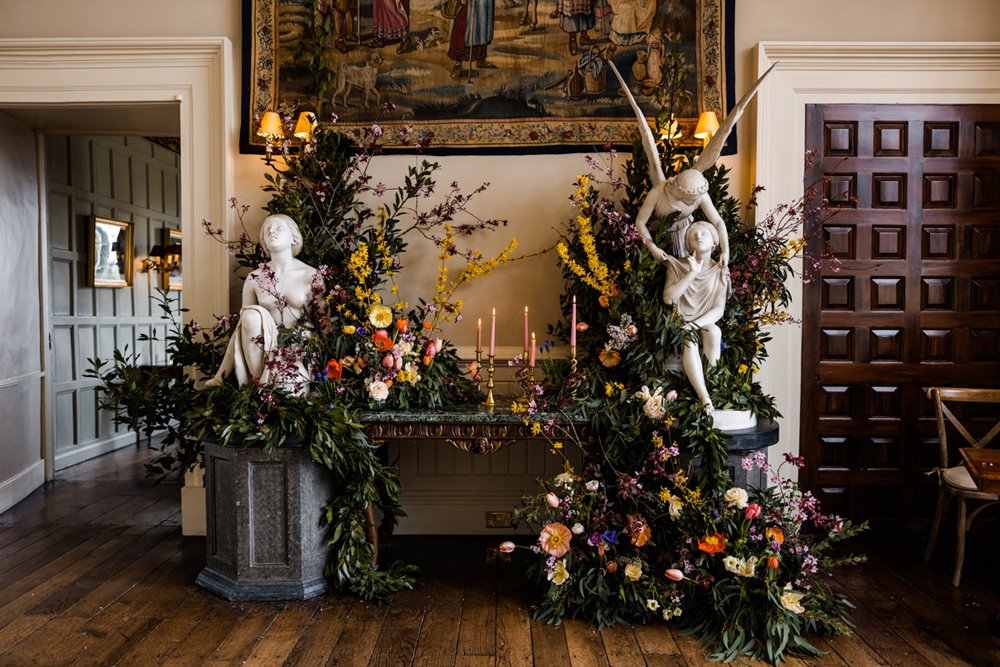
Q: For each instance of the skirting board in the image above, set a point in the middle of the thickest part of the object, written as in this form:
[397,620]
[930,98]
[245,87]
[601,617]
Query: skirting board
[20,486]
[86,452]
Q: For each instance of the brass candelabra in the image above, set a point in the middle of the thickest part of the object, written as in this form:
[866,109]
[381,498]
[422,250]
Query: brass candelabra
[489,402]
[479,370]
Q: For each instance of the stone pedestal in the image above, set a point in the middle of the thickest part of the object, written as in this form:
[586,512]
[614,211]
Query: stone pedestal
[743,443]
[264,539]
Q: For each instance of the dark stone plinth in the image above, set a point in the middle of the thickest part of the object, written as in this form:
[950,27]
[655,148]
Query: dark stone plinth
[264,539]
[745,442]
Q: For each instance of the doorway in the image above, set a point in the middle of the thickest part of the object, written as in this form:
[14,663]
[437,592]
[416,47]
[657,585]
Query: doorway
[842,73]
[912,300]
[195,76]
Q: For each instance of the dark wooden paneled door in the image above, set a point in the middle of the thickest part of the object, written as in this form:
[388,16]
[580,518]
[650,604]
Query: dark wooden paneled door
[915,301]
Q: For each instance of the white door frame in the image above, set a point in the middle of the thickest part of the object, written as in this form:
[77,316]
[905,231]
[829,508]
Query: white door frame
[843,73]
[197,73]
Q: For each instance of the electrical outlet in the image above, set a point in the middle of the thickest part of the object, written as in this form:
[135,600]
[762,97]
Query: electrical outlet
[499,519]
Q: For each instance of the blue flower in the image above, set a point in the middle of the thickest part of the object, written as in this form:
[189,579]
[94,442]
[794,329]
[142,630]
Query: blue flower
[362,332]
[610,537]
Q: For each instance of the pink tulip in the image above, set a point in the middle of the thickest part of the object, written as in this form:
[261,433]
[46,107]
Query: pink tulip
[552,499]
[431,350]
[398,363]
[671,395]
[674,574]
[752,511]
[388,362]
[506,547]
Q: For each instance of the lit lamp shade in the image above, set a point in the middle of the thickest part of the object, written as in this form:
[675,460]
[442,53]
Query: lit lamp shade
[708,125]
[305,125]
[270,125]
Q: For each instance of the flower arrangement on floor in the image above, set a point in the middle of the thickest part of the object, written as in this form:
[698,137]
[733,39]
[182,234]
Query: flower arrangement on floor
[652,525]
[355,346]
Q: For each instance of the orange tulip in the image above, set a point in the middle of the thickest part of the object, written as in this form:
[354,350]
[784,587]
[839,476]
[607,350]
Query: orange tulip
[772,562]
[402,325]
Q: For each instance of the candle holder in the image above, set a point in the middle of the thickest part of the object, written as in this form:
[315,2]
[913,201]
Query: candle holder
[479,370]
[530,387]
[489,402]
[572,358]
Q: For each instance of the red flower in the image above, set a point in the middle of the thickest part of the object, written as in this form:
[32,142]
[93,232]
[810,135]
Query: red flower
[382,341]
[334,370]
[713,544]
[772,562]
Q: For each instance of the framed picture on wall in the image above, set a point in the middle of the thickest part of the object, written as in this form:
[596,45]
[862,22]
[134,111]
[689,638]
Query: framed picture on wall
[171,274]
[109,261]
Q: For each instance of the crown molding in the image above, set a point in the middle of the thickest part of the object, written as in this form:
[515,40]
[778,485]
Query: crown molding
[881,55]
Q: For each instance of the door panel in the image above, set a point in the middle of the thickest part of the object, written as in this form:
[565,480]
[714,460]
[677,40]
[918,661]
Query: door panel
[910,300]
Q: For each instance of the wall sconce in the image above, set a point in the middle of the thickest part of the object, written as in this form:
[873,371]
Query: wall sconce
[163,258]
[273,131]
[708,125]
[304,128]
[270,128]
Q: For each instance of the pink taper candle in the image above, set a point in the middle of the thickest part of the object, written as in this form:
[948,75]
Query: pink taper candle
[525,328]
[493,332]
[479,335]
[572,324]
[531,354]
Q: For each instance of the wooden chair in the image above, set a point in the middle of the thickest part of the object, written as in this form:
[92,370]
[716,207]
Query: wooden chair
[954,480]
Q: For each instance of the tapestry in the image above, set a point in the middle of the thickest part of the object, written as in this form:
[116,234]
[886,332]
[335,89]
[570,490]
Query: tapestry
[484,76]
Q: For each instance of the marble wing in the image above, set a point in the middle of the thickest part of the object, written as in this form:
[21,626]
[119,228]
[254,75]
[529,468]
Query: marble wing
[656,175]
[713,150]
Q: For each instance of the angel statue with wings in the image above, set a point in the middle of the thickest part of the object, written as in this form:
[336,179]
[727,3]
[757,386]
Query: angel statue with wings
[696,284]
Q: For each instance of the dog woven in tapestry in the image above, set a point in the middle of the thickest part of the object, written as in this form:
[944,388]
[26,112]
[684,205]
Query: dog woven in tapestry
[520,76]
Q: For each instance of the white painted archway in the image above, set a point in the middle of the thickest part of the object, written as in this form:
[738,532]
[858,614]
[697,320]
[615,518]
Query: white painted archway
[844,73]
[194,73]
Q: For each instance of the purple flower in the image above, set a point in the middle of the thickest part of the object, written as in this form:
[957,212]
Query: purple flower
[594,539]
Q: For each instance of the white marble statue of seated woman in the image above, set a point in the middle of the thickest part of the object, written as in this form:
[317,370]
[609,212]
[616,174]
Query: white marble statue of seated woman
[698,286]
[274,296]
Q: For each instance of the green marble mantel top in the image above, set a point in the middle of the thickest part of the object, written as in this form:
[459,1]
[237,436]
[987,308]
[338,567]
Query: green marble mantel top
[469,413]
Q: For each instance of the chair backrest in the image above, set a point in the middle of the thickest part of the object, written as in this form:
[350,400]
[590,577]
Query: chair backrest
[943,396]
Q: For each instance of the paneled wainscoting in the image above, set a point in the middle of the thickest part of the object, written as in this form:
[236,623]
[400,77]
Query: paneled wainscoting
[94,571]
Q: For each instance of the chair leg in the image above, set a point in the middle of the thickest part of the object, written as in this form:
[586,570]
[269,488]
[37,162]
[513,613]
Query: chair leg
[942,504]
[960,548]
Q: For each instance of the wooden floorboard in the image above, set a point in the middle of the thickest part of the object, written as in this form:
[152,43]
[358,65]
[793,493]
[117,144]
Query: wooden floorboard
[94,571]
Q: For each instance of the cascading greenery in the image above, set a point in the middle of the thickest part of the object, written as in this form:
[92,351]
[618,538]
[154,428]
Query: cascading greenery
[634,534]
[360,353]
